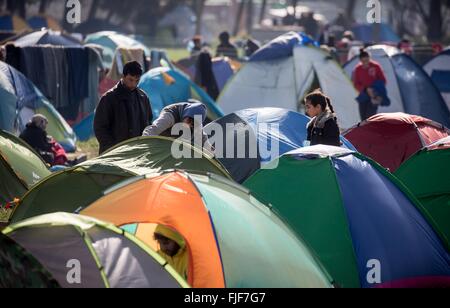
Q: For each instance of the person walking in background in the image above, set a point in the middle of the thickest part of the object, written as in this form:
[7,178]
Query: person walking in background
[226,48]
[323,128]
[124,111]
[370,81]
[204,75]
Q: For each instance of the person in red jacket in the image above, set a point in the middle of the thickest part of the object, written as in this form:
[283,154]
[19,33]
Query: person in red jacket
[366,74]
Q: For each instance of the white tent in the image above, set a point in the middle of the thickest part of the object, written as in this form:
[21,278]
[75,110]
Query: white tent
[284,82]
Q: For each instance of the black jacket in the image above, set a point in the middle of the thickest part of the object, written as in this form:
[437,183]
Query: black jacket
[36,137]
[113,116]
[328,135]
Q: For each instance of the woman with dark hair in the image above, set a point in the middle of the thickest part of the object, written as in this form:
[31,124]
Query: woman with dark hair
[204,76]
[323,128]
[370,81]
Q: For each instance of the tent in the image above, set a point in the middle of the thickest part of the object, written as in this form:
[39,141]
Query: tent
[165,87]
[12,23]
[20,100]
[364,225]
[20,167]
[110,40]
[264,134]
[233,240]
[392,138]
[377,32]
[18,269]
[42,21]
[438,69]
[427,175]
[282,73]
[140,156]
[47,37]
[105,256]
[409,87]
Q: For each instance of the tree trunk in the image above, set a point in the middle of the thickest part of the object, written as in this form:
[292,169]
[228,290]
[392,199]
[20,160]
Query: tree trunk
[43,6]
[250,17]
[239,14]
[435,30]
[94,9]
[263,11]
[199,8]
[350,10]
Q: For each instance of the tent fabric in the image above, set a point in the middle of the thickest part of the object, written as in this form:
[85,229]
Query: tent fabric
[409,87]
[368,33]
[284,82]
[391,138]
[140,156]
[110,41]
[363,216]
[19,269]
[165,87]
[438,69]
[258,251]
[41,21]
[47,37]
[263,127]
[109,257]
[426,174]
[12,23]
[21,100]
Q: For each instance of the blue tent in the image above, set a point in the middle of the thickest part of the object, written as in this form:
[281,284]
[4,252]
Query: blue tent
[274,131]
[164,87]
[47,37]
[438,69]
[375,33]
[409,87]
[20,100]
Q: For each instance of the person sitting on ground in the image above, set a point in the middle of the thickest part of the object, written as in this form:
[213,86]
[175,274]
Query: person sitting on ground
[173,248]
[191,114]
[35,135]
[226,48]
[323,128]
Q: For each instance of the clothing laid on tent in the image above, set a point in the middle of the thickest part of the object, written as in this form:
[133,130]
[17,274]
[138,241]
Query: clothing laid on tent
[20,100]
[12,23]
[282,73]
[110,41]
[264,134]
[234,241]
[374,33]
[355,215]
[409,88]
[392,138]
[427,175]
[140,156]
[438,69]
[166,87]
[42,21]
[110,258]
[19,269]
[46,37]
[67,76]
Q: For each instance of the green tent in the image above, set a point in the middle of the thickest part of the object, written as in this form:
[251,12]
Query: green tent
[354,214]
[83,252]
[20,167]
[75,188]
[18,269]
[427,175]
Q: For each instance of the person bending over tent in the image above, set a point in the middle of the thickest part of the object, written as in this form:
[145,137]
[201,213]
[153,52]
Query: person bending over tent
[370,81]
[124,111]
[35,135]
[188,114]
[172,247]
[323,128]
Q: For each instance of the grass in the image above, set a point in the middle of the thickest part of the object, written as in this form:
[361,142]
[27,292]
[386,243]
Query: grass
[90,148]
[176,54]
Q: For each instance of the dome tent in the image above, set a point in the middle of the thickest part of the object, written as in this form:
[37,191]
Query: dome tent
[283,72]
[352,212]
[438,69]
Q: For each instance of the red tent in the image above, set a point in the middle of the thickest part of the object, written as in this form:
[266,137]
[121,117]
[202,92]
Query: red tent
[392,138]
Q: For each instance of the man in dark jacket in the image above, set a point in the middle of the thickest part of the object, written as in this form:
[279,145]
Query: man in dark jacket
[124,111]
[36,136]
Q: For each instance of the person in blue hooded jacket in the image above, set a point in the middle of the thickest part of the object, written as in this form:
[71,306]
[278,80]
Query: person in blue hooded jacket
[191,114]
